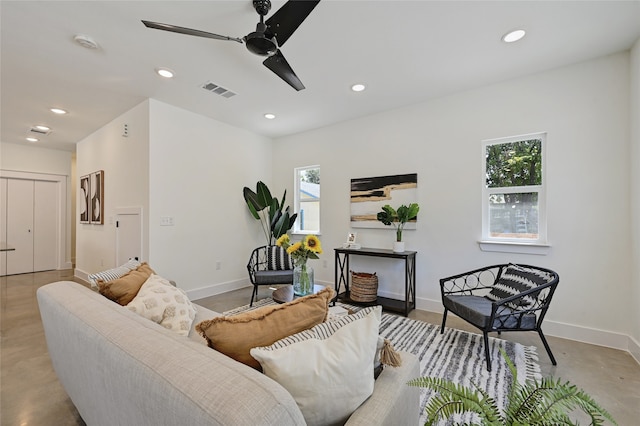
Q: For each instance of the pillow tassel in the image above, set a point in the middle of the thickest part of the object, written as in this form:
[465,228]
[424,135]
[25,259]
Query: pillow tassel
[389,356]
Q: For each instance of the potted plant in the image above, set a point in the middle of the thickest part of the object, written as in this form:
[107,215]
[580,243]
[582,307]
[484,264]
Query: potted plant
[398,218]
[269,211]
[537,402]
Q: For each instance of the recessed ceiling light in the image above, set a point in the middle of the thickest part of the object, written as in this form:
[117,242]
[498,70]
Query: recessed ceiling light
[85,41]
[512,36]
[58,111]
[30,139]
[165,72]
[358,87]
[42,128]
[269,116]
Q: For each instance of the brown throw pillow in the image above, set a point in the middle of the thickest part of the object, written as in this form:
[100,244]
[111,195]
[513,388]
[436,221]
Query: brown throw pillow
[125,288]
[234,336]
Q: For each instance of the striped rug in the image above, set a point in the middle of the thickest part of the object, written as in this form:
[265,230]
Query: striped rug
[455,355]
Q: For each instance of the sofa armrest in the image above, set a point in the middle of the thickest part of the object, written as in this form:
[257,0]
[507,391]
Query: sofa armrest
[393,402]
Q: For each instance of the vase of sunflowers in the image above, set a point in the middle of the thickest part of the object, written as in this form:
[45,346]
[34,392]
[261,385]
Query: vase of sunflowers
[300,252]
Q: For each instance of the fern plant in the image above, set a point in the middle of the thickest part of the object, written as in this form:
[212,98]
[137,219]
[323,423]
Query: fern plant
[538,402]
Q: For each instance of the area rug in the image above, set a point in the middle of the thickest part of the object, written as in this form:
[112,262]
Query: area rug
[455,355]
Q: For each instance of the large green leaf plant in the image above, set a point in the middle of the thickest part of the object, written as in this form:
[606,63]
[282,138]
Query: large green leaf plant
[538,402]
[398,218]
[269,211]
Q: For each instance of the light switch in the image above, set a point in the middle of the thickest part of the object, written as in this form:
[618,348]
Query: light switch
[166,220]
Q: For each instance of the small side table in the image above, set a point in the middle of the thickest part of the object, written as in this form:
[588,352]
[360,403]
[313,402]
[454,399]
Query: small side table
[285,293]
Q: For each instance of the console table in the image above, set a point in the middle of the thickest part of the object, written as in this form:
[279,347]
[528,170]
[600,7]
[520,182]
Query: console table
[394,305]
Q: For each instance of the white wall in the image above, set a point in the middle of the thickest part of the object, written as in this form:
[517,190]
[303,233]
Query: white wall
[635,198]
[32,158]
[198,169]
[584,109]
[125,161]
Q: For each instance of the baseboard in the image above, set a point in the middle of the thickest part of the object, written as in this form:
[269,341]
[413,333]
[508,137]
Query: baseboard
[634,349]
[213,289]
[80,274]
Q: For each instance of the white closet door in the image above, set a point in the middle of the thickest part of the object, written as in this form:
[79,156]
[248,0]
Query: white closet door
[20,226]
[128,237]
[3,224]
[45,225]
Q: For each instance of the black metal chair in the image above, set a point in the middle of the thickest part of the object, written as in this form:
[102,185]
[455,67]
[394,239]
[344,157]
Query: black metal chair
[501,298]
[269,265]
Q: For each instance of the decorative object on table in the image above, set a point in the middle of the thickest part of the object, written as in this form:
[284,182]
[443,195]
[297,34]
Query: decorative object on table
[351,242]
[501,298]
[300,252]
[398,218]
[364,287]
[368,195]
[269,211]
[92,198]
[546,401]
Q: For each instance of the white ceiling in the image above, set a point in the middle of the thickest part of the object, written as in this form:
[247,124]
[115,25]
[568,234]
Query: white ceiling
[405,51]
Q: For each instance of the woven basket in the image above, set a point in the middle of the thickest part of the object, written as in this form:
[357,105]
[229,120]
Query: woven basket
[364,287]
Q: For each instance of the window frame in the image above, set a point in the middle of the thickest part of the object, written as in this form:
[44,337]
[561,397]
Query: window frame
[297,202]
[511,244]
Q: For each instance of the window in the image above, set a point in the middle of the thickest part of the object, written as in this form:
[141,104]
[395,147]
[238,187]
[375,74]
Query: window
[307,200]
[513,199]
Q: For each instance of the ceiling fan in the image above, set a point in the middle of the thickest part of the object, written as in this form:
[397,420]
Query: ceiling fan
[268,36]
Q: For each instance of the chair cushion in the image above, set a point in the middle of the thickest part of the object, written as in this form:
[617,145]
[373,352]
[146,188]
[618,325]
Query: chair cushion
[477,310]
[274,277]
[278,259]
[514,280]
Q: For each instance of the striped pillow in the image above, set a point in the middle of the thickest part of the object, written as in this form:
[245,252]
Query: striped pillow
[516,279]
[278,259]
[113,274]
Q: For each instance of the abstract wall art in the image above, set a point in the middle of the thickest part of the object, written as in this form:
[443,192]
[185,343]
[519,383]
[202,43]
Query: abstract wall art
[368,195]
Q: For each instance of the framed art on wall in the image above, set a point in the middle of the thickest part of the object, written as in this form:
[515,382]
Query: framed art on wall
[368,195]
[85,183]
[97,197]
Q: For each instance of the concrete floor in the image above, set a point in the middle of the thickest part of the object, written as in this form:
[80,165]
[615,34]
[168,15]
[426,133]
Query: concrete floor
[30,393]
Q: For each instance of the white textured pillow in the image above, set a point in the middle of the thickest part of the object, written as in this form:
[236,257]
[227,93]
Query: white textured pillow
[161,302]
[327,369]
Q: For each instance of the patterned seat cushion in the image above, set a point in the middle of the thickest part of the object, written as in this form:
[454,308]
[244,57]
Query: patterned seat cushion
[516,279]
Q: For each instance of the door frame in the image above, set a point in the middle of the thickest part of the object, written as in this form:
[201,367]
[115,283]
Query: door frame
[63,219]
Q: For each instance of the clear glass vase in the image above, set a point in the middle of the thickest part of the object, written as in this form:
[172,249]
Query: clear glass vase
[302,280]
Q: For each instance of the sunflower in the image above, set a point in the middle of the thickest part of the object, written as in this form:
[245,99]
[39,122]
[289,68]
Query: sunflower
[283,240]
[313,244]
[294,247]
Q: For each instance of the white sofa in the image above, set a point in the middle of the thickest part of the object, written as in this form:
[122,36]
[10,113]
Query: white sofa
[121,369]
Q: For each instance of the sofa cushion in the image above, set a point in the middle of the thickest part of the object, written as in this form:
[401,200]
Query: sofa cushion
[516,279]
[122,290]
[327,369]
[161,302]
[114,273]
[235,335]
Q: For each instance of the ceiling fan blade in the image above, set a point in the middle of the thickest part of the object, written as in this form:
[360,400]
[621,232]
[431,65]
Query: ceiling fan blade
[279,65]
[188,31]
[288,18]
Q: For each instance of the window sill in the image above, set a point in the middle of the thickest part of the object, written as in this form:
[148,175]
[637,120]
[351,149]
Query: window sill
[514,247]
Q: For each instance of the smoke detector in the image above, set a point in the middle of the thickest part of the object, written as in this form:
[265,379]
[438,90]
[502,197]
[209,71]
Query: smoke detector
[85,41]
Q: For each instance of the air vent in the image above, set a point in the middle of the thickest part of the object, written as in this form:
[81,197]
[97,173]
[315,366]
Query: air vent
[40,130]
[218,90]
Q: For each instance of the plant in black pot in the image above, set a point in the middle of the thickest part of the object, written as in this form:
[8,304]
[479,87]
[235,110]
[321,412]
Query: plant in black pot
[398,218]
[269,211]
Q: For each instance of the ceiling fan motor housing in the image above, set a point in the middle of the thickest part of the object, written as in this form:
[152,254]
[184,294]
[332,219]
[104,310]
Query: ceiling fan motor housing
[259,44]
